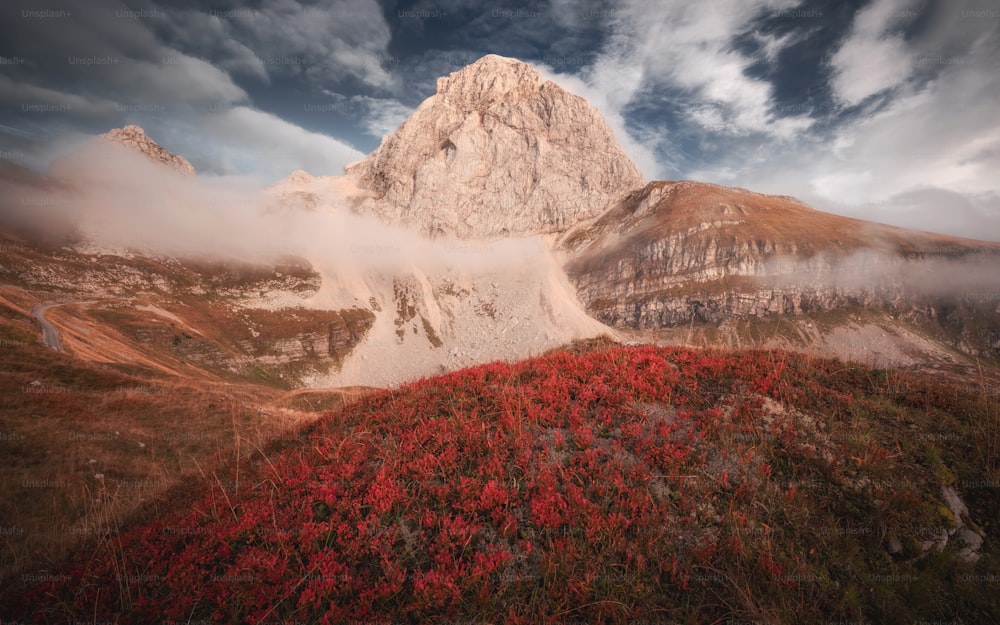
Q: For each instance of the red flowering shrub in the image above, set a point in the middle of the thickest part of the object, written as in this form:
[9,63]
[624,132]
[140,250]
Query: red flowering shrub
[620,485]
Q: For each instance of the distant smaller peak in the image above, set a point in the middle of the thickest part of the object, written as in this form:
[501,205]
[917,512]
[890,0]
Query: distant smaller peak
[135,138]
[300,175]
[129,130]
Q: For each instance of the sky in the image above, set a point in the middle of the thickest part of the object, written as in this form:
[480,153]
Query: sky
[887,110]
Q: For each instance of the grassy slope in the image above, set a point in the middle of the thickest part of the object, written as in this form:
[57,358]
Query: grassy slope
[86,446]
[604,485]
[216,339]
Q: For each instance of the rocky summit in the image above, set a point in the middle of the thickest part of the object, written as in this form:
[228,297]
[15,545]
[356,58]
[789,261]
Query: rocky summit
[496,151]
[134,137]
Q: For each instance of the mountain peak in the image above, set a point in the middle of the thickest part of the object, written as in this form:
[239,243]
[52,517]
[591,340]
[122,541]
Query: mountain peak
[496,151]
[299,176]
[135,138]
[492,78]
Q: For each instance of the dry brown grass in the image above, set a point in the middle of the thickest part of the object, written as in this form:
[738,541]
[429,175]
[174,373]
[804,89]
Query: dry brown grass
[86,446]
[322,399]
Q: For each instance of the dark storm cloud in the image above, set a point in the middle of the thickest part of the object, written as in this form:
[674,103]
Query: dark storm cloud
[98,51]
[86,67]
[324,42]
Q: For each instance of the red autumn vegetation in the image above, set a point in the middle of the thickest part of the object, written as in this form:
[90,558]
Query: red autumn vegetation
[616,485]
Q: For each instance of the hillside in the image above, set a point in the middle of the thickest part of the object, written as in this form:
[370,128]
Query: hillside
[596,484]
[134,405]
[203,318]
[681,254]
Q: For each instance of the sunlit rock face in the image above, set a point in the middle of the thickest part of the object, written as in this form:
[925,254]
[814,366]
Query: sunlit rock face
[496,151]
[135,138]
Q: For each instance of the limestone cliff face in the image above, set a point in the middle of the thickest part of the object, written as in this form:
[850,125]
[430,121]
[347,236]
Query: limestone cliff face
[496,151]
[675,253]
[134,137]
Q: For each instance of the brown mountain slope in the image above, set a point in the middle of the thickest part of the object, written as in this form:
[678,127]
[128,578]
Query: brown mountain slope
[680,253]
[763,225]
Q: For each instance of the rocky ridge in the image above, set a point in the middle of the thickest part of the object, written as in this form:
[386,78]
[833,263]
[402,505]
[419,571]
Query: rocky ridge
[496,151]
[135,138]
[303,191]
[679,253]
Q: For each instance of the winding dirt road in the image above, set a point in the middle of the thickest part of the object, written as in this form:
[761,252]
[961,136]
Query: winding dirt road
[49,333]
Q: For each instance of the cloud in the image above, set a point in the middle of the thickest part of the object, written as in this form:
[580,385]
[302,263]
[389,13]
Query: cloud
[244,140]
[384,115]
[39,100]
[377,116]
[98,53]
[681,58]
[771,45]
[972,274]
[170,73]
[325,42]
[689,48]
[944,133]
[177,81]
[874,57]
[922,149]
[948,212]
[209,37]
[114,197]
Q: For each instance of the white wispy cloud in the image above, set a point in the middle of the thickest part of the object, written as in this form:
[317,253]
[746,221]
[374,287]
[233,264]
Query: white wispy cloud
[243,140]
[384,115]
[920,144]
[378,116]
[925,158]
[684,50]
[874,57]
[689,47]
[944,135]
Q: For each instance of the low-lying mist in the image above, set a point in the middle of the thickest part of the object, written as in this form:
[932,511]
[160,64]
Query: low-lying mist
[949,271]
[116,199]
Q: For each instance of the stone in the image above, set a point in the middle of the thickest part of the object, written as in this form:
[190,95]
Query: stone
[135,138]
[496,151]
[894,546]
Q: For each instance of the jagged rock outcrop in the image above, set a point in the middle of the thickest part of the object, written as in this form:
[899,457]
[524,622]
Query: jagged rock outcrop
[300,336]
[296,191]
[134,138]
[303,191]
[496,151]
